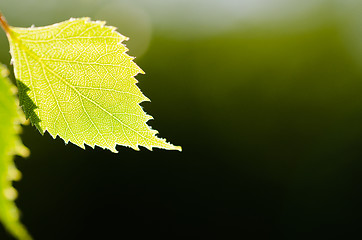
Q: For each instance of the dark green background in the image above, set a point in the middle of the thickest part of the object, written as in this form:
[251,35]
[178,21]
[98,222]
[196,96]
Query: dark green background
[268,110]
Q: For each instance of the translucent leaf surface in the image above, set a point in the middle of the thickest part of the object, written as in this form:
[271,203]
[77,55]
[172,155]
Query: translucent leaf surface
[10,144]
[75,80]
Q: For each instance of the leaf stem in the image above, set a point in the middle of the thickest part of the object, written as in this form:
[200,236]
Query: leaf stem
[4,24]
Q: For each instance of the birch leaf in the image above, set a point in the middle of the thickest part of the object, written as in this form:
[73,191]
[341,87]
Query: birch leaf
[76,81]
[10,144]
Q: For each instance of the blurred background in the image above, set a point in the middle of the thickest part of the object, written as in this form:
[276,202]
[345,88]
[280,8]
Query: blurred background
[264,96]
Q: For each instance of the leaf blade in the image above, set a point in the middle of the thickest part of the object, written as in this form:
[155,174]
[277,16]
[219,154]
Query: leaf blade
[10,145]
[89,82]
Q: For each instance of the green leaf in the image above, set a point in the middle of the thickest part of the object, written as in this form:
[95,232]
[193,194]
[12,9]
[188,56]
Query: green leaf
[10,144]
[76,81]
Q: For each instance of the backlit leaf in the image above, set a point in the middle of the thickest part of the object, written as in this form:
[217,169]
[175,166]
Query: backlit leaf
[75,80]
[10,144]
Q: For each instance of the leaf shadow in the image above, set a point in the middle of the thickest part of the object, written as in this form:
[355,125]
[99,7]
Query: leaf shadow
[28,105]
